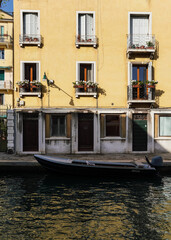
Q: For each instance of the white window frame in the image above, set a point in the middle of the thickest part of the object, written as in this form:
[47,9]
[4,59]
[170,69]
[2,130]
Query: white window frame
[21,78]
[140,14]
[58,115]
[84,12]
[118,137]
[163,136]
[94,94]
[22,19]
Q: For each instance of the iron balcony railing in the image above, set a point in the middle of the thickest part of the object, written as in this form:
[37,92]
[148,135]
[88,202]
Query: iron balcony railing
[141,92]
[141,42]
[85,40]
[30,39]
[7,84]
[5,39]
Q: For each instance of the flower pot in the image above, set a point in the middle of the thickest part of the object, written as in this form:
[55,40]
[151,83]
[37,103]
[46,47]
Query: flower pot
[136,86]
[151,86]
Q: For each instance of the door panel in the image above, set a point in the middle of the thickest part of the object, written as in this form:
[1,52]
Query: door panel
[140,132]
[85,132]
[30,135]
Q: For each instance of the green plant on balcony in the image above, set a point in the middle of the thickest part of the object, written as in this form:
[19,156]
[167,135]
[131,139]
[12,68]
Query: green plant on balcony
[91,84]
[134,82]
[78,84]
[23,83]
[150,44]
[36,83]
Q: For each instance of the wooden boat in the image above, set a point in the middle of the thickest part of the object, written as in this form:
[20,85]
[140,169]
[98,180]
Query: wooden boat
[95,168]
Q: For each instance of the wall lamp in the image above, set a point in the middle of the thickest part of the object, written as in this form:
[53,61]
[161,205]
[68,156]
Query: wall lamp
[49,82]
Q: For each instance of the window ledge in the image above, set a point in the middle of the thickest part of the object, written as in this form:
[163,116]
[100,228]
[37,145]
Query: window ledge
[38,94]
[163,138]
[112,138]
[57,138]
[94,94]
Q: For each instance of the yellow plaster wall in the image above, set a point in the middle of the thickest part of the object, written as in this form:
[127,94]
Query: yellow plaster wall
[59,54]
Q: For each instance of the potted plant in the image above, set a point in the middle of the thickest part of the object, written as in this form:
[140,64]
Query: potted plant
[150,45]
[78,84]
[23,85]
[152,83]
[135,83]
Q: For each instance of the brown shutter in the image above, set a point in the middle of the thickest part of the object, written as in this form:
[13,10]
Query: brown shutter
[123,125]
[156,125]
[102,124]
[68,125]
[47,125]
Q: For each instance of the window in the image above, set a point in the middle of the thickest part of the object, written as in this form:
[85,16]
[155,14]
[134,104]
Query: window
[2,76]
[30,27]
[58,126]
[30,71]
[2,54]
[85,30]
[140,28]
[86,71]
[112,125]
[30,23]
[165,126]
[1,99]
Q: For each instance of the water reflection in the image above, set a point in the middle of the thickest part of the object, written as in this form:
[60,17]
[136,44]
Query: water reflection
[49,207]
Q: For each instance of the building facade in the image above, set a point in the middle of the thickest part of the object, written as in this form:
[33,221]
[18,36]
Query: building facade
[92,76]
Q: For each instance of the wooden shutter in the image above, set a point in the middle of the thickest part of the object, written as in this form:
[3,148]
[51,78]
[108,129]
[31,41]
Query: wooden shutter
[129,73]
[33,23]
[82,25]
[68,125]
[26,23]
[1,75]
[47,125]
[156,125]
[123,125]
[102,125]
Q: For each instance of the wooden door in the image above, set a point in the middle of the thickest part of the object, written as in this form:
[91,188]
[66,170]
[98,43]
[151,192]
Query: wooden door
[85,132]
[30,134]
[140,132]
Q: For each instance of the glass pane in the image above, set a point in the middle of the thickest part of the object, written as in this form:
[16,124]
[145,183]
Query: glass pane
[142,73]
[112,125]
[1,75]
[28,67]
[165,126]
[1,53]
[62,126]
[58,126]
[134,73]
[1,99]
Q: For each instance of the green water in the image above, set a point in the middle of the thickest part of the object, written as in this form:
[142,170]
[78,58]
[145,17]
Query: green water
[49,207]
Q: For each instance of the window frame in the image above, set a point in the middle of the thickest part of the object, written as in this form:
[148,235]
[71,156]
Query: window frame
[162,136]
[114,136]
[3,50]
[22,19]
[3,99]
[77,20]
[78,69]
[149,14]
[65,122]
[22,67]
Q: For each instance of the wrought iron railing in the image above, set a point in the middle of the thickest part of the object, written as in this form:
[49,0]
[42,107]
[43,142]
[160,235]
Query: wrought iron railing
[141,92]
[7,84]
[5,39]
[32,39]
[86,40]
[141,42]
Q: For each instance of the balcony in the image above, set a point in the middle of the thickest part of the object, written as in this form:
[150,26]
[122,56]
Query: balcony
[83,88]
[86,40]
[29,89]
[6,40]
[30,39]
[141,43]
[6,85]
[141,93]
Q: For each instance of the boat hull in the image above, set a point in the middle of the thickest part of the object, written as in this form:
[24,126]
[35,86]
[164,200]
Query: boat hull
[90,168]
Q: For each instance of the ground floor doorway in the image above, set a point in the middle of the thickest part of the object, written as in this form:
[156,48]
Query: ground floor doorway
[139,132]
[85,132]
[30,132]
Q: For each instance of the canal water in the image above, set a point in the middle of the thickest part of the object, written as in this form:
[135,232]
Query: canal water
[49,207]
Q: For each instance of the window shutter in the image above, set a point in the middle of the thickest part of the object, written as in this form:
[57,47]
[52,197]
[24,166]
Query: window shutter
[92,72]
[89,24]
[123,125]
[23,71]
[102,125]
[78,72]
[156,125]
[129,73]
[82,25]
[37,72]
[150,71]
[26,23]
[68,125]
[47,125]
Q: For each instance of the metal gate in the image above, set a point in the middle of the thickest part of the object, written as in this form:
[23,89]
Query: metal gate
[3,128]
